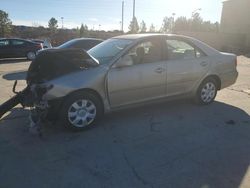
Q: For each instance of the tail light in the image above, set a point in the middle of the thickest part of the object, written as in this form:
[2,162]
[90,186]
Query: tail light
[40,46]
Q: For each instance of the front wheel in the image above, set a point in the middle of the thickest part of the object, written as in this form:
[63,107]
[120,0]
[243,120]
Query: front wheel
[207,91]
[81,110]
[31,55]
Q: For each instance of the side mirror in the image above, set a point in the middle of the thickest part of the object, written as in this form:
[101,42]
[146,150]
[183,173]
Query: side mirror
[124,61]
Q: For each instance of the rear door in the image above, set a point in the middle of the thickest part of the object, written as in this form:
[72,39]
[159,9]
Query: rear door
[5,49]
[186,65]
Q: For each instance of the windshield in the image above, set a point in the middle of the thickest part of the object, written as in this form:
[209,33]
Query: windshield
[108,49]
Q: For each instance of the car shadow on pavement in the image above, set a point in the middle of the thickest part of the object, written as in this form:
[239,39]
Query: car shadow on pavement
[172,144]
[13,60]
[19,75]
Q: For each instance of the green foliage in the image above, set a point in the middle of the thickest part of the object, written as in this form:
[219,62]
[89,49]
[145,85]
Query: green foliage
[152,29]
[195,24]
[133,26]
[167,24]
[181,24]
[143,27]
[207,26]
[5,24]
[52,24]
[83,30]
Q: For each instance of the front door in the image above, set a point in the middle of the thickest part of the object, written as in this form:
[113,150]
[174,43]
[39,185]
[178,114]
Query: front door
[5,50]
[143,78]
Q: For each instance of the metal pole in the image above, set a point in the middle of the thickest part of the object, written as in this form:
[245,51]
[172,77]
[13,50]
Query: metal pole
[133,17]
[134,10]
[62,22]
[173,22]
[122,14]
[195,11]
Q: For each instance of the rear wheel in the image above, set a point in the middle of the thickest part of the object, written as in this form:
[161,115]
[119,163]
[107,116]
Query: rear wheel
[31,55]
[207,91]
[81,110]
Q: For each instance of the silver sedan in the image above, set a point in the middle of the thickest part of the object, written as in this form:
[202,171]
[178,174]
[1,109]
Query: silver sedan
[136,69]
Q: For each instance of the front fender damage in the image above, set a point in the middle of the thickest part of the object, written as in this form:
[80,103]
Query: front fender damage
[48,65]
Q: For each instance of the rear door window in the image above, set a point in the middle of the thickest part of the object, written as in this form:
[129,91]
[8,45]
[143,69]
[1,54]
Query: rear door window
[178,49]
[17,42]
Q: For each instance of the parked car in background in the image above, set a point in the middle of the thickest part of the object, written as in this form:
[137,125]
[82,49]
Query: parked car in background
[81,43]
[46,43]
[14,48]
[130,70]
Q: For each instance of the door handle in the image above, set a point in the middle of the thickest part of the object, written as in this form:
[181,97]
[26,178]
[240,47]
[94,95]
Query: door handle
[203,63]
[159,70]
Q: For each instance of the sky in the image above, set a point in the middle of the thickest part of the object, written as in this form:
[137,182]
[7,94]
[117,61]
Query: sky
[105,14]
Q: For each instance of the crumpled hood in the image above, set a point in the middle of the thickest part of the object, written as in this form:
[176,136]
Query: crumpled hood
[53,63]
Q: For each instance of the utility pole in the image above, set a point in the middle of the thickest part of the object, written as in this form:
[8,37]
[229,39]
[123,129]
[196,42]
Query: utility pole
[133,30]
[173,22]
[196,11]
[122,14]
[134,10]
[62,21]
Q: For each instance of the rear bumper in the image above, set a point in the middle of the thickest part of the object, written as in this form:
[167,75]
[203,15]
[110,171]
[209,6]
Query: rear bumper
[228,79]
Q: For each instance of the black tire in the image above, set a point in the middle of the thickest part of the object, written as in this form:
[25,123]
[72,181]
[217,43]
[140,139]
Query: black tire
[72,99]
[31,55]
[200,94]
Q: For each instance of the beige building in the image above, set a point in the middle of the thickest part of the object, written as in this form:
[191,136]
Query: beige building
[235,19]
[234,35]
[235,16]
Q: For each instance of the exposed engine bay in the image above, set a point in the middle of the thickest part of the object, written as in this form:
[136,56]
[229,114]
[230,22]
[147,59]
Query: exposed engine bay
[49,64]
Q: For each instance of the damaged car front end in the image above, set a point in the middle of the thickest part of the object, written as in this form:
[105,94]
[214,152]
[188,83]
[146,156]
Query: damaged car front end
[43,72]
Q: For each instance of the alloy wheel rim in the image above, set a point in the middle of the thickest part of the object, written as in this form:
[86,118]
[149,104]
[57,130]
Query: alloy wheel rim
[208,92]
[31,55]
[82,113]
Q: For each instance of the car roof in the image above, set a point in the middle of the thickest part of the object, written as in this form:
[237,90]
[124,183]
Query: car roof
[37,40]
[144,35]
[147,35]
[203,46]
[95,39]
[14,39]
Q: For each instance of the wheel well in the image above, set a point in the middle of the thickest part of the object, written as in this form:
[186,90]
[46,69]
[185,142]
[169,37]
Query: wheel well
[216,78]
[93,92]
[57,104]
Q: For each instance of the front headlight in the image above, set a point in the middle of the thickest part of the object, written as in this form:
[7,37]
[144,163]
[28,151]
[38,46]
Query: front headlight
[41,89]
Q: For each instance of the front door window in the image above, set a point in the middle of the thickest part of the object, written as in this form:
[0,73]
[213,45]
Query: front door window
[4,43]
[146,52]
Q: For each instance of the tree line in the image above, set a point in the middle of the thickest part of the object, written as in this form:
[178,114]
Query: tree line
[59,35]
[170,25]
